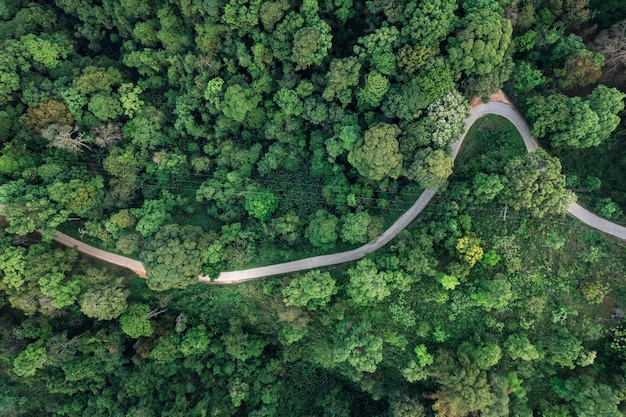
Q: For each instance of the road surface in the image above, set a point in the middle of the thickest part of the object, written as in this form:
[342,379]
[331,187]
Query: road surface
[232,277]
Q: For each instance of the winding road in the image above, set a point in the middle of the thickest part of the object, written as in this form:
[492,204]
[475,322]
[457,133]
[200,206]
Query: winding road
[232,277]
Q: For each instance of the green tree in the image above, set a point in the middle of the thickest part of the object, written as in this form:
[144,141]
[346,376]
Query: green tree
[239,101]
[535,183]
[374,89]
[487,186]
[354,227]
[289,102]
[46,49]
[103,303]
[95,79]
[576,122]
[358,346]
[367,285]
[135,321]
[322,230]
[581,69]
[63,291]
[469,249]
[173,257]
[527,77]
[261,203]
[429,23]
[195,341]
[482,43]
[519,347]
[376,156]
[343,77]
[463,386]
[30,359]
[445,120]
[431,168]
[313,290]
[105,107]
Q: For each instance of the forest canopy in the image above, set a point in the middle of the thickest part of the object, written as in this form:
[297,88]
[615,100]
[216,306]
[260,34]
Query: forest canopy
[206,136]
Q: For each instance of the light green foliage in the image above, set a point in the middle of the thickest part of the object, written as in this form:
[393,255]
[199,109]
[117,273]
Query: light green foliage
[289,102]
[63,291]
[608,209]
[576,122]
[271,12]
[431,168]
[288,227]
[344,9]
[213,91]
[135,322]
[354,227]
[30,359]
[48,50]
[173,257]
[527,77]
[526,41]
[469,249]
[376,156]
[535,183]
[322,230]
[195,341]
[242,15]
[423,357]
[436,81]
[129,98]
[372,93]
[449,282]
[105,107]
[78,196]
[343,77]
[606,103]
[482,44]
[411,58]
[377,49]
[488,186]
[153,214]
[239,101]
[104,297]
[494,294]
[358,346]
[367,285]
[430,22]
[103,302]
[484,356]
[12,264]
[445,120]
[519,347]
[261,203]
[312,290]
[490,258]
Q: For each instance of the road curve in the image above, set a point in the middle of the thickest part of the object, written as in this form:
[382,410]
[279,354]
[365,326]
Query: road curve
[232,277]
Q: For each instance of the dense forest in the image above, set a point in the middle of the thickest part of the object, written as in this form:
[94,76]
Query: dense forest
[201,136]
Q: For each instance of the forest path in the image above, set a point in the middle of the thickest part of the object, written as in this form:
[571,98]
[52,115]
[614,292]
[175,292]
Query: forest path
[507,111]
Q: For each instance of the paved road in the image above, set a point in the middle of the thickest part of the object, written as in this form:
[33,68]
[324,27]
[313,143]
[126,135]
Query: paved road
[232,277]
